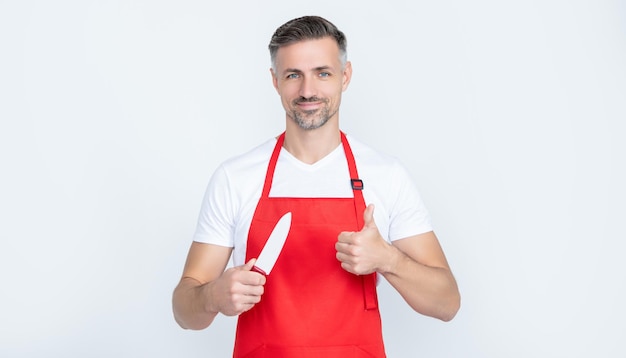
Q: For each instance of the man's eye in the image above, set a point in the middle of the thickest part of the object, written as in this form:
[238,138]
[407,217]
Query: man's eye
[324,74]
[292,75]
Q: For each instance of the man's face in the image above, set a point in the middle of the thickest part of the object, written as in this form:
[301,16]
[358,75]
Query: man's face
[310,79]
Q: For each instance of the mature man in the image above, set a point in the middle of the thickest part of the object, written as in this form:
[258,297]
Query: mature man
[320,298]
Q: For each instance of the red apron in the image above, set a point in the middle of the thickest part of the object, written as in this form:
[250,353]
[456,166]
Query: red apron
[311,306]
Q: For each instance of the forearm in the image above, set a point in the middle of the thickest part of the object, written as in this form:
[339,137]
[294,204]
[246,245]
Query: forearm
[431,291]
[190,305]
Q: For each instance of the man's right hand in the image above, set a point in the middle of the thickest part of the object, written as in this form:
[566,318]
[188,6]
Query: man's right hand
[236,291]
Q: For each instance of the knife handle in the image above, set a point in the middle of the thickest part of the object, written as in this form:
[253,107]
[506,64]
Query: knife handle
[256,269]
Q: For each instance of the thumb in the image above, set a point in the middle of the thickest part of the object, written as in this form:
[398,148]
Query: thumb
[368,217]
[249,265]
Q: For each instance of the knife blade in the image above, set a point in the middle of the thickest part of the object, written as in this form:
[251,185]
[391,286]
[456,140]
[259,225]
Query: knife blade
[274,245]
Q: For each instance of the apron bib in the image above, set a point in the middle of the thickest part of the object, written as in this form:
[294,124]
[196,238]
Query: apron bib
[311,306]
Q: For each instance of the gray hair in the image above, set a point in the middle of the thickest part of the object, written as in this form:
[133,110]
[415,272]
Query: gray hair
[307,28]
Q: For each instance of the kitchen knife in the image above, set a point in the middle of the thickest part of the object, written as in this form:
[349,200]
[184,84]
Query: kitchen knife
[274,245]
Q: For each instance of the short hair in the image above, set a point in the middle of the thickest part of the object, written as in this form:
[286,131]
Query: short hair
[307,28]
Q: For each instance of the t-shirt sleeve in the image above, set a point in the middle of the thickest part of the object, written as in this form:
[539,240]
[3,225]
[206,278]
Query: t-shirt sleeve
[409,215]
[216,219]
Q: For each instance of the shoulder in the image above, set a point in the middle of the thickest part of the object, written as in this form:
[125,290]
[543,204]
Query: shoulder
[250,161]
[241,176]
[370,158]
[382,173]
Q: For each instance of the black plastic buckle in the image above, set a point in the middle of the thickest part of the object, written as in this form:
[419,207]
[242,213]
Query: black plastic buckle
[357,184]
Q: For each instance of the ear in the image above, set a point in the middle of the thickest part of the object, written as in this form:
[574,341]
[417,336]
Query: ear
[274,79]
[347,76]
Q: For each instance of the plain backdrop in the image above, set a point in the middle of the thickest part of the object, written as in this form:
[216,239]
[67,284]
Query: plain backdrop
[509,115]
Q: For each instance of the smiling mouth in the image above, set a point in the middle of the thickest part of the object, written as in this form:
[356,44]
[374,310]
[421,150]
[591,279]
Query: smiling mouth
[308,106]
[312,103]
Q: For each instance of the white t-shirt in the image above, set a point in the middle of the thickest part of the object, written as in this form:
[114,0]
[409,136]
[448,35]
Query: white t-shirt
[235,188]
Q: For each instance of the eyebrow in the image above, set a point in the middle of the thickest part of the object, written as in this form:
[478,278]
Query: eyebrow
[316,69]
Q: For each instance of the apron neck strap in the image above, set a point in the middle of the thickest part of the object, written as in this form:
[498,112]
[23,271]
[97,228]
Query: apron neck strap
[269,176]
[357,189]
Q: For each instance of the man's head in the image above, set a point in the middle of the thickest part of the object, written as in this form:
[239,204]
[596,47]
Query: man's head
[310,70]
[307,28]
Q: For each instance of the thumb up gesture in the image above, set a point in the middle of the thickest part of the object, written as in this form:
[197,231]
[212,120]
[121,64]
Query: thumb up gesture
[364,251]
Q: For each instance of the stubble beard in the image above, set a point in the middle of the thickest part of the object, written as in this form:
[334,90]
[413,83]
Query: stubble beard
[309,120]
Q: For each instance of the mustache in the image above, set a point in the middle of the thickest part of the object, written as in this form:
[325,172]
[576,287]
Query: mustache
[310,99]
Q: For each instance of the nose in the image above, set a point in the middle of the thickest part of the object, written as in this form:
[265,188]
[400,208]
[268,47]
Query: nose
[307,87]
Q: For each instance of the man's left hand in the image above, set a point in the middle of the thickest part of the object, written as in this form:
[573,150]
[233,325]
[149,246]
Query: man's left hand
[365,251]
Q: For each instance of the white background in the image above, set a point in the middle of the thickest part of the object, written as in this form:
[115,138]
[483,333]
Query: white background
[114,114]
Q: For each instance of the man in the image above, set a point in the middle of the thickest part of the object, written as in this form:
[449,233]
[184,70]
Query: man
[320,298]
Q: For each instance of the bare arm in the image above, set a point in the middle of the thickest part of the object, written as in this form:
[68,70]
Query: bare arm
[418,270]
[415,266]
[205,289]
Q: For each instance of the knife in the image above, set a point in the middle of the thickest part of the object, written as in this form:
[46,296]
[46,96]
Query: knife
[274,245]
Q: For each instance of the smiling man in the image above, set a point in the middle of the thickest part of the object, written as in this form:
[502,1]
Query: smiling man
[311,92]
[355,215]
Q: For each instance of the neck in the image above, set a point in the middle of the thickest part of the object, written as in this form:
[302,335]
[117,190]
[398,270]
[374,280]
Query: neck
[309,146]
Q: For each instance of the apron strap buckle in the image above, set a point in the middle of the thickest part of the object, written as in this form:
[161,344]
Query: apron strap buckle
[357,184]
